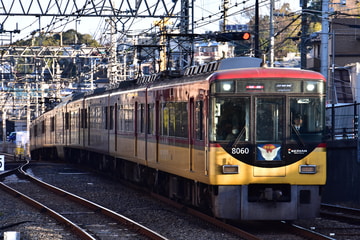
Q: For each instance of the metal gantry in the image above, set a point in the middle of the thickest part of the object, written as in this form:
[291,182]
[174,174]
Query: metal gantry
[15,100]
[89,8]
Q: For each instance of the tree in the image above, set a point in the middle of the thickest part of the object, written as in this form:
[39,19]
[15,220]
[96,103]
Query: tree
[68,38]
[287,29]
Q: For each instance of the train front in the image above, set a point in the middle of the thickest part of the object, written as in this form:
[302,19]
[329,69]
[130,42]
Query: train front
[267,156]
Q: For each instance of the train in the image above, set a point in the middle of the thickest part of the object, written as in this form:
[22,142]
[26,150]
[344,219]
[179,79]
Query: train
[231,137]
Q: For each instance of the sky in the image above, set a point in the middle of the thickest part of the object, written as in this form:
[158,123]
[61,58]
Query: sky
[207,13]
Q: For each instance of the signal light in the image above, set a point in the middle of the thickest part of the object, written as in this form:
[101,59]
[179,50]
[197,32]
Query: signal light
[246,36]
[231,36]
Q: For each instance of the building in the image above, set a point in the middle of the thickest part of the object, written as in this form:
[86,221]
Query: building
[344,53]
[211,51]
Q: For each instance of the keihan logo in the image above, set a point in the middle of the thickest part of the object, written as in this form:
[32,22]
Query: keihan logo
[269,152]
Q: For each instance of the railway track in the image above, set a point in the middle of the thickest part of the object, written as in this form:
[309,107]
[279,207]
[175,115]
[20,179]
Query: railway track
[291,230]
[280,229]
[85,218]
[351,215]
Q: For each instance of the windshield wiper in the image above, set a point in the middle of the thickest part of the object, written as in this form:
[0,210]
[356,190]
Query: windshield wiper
[243,130]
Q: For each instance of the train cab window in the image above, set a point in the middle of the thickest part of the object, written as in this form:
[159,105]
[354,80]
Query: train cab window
[230,119]
[306,118]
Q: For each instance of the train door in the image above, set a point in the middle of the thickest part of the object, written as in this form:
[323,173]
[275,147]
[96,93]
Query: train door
[115,126]
[88,121]
[157,129]
[269,134]
[191,133]
[136,129]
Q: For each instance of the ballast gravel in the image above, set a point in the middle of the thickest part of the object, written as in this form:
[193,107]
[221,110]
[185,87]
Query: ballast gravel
[32,225]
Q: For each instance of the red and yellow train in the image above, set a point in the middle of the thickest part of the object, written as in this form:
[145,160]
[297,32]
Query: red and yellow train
[243,141]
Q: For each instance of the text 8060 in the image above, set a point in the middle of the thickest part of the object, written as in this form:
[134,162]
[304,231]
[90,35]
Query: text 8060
[243,150]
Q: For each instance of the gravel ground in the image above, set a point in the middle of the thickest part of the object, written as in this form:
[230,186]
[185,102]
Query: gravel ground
[139,207]
[17,216]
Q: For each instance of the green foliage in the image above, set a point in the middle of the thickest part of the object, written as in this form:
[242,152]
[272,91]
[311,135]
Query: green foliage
[70,37]
[287,28]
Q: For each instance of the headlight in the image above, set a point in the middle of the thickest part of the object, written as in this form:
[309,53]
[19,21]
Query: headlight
[227,86]
[230,169]
[311,86]
[307,169]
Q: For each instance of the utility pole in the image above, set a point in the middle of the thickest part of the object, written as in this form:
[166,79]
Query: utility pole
[256,30]
[186,29]
[324,39]
[304,30]
[112,68]
[225,6]
[162,24]
[272,38]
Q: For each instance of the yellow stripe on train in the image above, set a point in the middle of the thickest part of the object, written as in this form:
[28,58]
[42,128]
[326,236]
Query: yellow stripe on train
[252,174]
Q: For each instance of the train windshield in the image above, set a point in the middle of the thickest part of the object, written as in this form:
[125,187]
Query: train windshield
[276,120]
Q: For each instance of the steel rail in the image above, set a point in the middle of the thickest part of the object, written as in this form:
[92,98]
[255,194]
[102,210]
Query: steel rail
[309,234]
[42,208]
[216,222]
[347,214]
[134,226]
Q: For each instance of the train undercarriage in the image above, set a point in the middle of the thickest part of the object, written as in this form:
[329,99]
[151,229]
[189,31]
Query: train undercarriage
[249,202]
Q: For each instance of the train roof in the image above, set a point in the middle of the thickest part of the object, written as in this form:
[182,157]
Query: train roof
[246,67]
[267,73]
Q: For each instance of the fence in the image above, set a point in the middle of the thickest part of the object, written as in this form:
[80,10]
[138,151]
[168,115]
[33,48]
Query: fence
[342,122]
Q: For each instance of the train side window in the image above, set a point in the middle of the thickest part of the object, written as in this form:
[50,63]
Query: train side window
[165,119]
[52,124]
[174,119]
[151,118]
[111,118]
[43,126]
[83,123]
[73,120]
[199,129]
[129,117]
[36,130]
[96,118]
[121,118]
[67,120]
[106,113]
[140,118]
[181,119]
[169,119]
